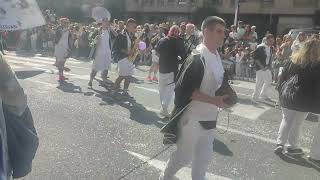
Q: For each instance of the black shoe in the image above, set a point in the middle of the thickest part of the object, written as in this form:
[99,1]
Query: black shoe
[279,149]
[90,84]
[294,151]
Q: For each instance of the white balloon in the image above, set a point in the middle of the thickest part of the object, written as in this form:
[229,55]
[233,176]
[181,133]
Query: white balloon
[99,13]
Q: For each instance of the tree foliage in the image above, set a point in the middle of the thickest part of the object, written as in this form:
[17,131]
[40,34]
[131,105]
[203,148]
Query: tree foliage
[116,8]
[201,12]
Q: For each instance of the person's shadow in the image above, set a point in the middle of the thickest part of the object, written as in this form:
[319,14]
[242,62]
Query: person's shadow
[27,74]
[297,160]
[69,87]
[137,111]
[221,148]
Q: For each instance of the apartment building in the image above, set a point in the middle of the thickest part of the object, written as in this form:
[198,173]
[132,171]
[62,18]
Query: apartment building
[273,15]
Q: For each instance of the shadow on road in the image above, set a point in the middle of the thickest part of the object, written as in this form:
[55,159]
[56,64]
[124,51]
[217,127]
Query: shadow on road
[297,160]
[221,148]
[69,87]
[137,111]
[27,74]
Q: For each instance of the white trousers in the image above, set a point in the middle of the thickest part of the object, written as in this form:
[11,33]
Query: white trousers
[315,148]
[166,89]
[290,126]
[263,84]
[194,145]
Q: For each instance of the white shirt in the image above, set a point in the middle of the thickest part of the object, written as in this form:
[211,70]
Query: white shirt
[239,57]
[213,60]
[233,35]
[211,82]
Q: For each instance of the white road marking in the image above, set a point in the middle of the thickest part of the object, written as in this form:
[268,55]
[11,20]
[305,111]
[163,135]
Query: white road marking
[242,110]
[148,89]
[15,66]
[42,59]
[243,84]
[249,111]
[26,63]
[183,174]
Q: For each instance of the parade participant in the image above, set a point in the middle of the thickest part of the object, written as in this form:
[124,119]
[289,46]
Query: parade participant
[169,49]
[63,46]
[299,94]
[123,49]
[191,40]
[299,42]
[102,60]
[263,59]
[201,76]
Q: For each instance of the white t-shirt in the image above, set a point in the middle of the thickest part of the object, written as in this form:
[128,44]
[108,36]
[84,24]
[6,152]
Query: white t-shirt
[268,52]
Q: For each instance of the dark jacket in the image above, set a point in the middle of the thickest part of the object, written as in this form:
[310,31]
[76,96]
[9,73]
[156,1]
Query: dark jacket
[97,40]
[189,79]
[299,88]
[169,48]
[260,55]
[58,36]
[120,46]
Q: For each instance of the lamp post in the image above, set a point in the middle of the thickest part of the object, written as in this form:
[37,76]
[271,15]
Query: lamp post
[236,14]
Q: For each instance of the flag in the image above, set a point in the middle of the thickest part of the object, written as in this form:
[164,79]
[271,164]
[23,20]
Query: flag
[20,14]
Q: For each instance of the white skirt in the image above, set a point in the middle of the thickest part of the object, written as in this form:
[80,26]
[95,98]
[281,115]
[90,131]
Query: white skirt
[102,62]
[155,58]
[125,67]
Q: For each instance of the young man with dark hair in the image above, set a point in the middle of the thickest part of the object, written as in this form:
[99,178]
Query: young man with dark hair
[196,106]
[123,48]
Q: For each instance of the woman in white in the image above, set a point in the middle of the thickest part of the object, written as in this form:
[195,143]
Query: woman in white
[239,57]
[102,61]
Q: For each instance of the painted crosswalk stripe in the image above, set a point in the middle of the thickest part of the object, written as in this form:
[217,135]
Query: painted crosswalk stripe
[42,59]
[26,63]
[183,174]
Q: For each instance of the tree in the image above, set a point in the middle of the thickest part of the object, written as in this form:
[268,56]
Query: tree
[201,12]
[116,8]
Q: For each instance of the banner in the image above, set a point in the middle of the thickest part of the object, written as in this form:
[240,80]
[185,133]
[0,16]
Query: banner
[20,14]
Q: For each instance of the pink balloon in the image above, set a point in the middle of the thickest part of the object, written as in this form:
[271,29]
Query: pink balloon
[142,45]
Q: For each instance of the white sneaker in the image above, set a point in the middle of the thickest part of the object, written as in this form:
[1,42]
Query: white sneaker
[165,113]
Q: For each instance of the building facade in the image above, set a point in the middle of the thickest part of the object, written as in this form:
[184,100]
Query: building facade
[275,15]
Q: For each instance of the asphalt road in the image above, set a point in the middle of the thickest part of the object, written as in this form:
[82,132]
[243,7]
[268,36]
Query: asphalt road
[97,134]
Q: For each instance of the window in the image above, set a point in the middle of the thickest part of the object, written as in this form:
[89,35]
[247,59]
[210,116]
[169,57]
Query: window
[182,2]
[267,3]
[217,2]
[305,3]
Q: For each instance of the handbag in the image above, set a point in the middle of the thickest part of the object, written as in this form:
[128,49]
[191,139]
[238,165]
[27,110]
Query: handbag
[22,141]
[226,89]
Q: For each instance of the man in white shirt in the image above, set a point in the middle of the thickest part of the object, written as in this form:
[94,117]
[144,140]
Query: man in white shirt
[201,77]
[263,60]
